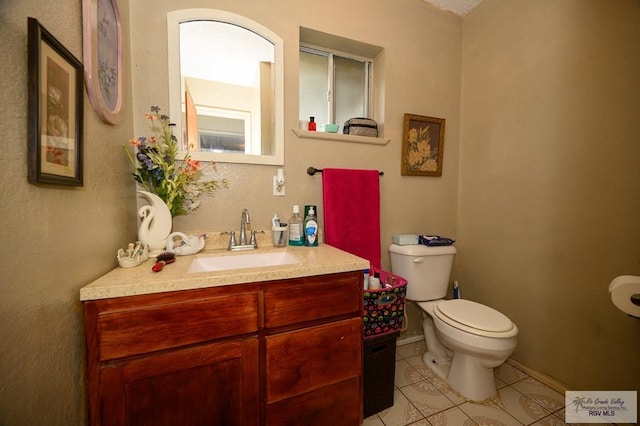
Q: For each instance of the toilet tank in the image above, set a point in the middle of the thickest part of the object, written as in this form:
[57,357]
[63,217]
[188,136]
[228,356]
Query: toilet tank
[426,268]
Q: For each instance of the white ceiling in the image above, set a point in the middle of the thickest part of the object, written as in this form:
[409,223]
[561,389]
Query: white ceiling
[459,7]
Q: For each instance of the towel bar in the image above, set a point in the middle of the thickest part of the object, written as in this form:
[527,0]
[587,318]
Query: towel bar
[312,171]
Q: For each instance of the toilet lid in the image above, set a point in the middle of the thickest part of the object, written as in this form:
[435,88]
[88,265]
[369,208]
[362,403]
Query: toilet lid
[474,315]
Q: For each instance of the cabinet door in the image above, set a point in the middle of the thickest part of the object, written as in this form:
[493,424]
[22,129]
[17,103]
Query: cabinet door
[213,384]
[311,358]
[337,404]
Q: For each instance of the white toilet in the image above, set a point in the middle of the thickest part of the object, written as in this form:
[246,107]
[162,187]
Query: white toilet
[469,339]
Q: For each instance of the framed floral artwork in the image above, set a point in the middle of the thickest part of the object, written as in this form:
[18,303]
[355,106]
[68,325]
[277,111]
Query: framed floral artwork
[422,145]
[102,51]
[56,105]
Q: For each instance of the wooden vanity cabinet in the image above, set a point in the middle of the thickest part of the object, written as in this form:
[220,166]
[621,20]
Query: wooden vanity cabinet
[268,353]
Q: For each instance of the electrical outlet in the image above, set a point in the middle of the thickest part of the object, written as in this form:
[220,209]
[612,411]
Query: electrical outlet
[278,190]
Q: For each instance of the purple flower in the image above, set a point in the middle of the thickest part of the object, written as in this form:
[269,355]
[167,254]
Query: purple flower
[150,165]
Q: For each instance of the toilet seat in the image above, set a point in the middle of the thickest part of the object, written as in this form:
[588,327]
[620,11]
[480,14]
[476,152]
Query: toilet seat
[475,318]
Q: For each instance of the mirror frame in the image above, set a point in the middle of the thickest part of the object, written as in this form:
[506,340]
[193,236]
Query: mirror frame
[174,18]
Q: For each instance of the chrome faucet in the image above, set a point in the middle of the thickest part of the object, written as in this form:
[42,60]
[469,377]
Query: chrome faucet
[245,227]
[245,221]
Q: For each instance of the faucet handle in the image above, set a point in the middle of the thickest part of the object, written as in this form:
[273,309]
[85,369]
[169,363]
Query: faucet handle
[232,239]
[252,241]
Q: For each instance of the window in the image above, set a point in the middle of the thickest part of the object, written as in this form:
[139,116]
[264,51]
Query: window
[333,86]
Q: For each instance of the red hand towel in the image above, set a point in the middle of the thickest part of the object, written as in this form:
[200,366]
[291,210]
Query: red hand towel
[351,201]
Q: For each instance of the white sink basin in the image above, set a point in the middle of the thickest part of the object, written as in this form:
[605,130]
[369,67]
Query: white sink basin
[241,261]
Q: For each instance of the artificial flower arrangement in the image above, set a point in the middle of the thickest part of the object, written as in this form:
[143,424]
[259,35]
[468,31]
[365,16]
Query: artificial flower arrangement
[176,182]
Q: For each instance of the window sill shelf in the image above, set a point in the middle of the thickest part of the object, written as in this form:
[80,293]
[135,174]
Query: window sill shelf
[340,137]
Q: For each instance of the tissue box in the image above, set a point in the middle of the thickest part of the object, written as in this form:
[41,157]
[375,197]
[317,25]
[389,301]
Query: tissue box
[405,239]
[384,308]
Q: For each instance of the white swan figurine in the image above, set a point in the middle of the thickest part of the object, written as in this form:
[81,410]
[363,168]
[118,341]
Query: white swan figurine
[185,245]
[156,222]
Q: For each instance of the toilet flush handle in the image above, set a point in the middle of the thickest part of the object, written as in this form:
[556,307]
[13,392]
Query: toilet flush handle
[418,260]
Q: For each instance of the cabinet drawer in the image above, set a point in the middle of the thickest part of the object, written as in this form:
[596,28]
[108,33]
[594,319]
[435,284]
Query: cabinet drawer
[304,360]
[148,327]
[313,298]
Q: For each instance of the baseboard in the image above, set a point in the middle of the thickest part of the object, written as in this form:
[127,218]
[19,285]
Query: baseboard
[405,340]
[554,384]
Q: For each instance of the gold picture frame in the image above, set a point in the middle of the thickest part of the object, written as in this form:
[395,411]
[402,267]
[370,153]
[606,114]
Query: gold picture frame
[55,115]
[422,145]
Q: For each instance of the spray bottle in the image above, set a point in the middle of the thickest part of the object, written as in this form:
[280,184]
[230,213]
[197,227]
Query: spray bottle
[456,290]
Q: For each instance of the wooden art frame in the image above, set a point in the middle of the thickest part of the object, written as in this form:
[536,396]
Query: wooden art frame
[55,115]
[102,51]
[422,145]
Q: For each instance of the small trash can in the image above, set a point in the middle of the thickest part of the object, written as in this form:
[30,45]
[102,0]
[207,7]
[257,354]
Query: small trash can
[382,323]
[379,366]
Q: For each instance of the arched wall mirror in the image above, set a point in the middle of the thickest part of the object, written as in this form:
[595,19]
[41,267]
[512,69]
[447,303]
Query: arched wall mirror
[226,86]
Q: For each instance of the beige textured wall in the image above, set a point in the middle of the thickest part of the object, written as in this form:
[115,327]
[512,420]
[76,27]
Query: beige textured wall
[549,180]
[54,239]
[548,202]
[423,75]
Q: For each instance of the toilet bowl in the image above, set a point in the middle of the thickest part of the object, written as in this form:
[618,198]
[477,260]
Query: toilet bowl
[478,338]
[465,340]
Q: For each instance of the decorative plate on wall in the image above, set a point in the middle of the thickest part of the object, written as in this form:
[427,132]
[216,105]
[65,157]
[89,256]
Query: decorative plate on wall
[102,50]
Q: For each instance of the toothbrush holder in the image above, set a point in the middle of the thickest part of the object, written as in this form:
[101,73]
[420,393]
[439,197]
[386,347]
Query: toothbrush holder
[280,236]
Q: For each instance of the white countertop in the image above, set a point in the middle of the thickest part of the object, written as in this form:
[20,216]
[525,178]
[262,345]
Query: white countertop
[320,260]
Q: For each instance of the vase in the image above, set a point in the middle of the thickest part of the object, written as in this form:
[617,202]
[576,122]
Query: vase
[156,222]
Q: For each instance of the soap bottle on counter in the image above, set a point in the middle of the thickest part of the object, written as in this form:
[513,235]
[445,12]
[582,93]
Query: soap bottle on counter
[311,228]
[312,124]
[296,237]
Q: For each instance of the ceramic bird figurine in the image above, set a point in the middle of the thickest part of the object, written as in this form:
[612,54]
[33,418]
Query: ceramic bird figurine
[156,222]
[183,245]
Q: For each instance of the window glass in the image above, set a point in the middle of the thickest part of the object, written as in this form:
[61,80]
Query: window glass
[314,84]
[333,87]
[350,89]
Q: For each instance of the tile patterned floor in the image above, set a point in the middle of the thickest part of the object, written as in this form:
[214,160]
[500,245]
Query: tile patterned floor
[421,398]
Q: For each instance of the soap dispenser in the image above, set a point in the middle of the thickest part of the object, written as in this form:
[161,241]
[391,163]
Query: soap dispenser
[311,228]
